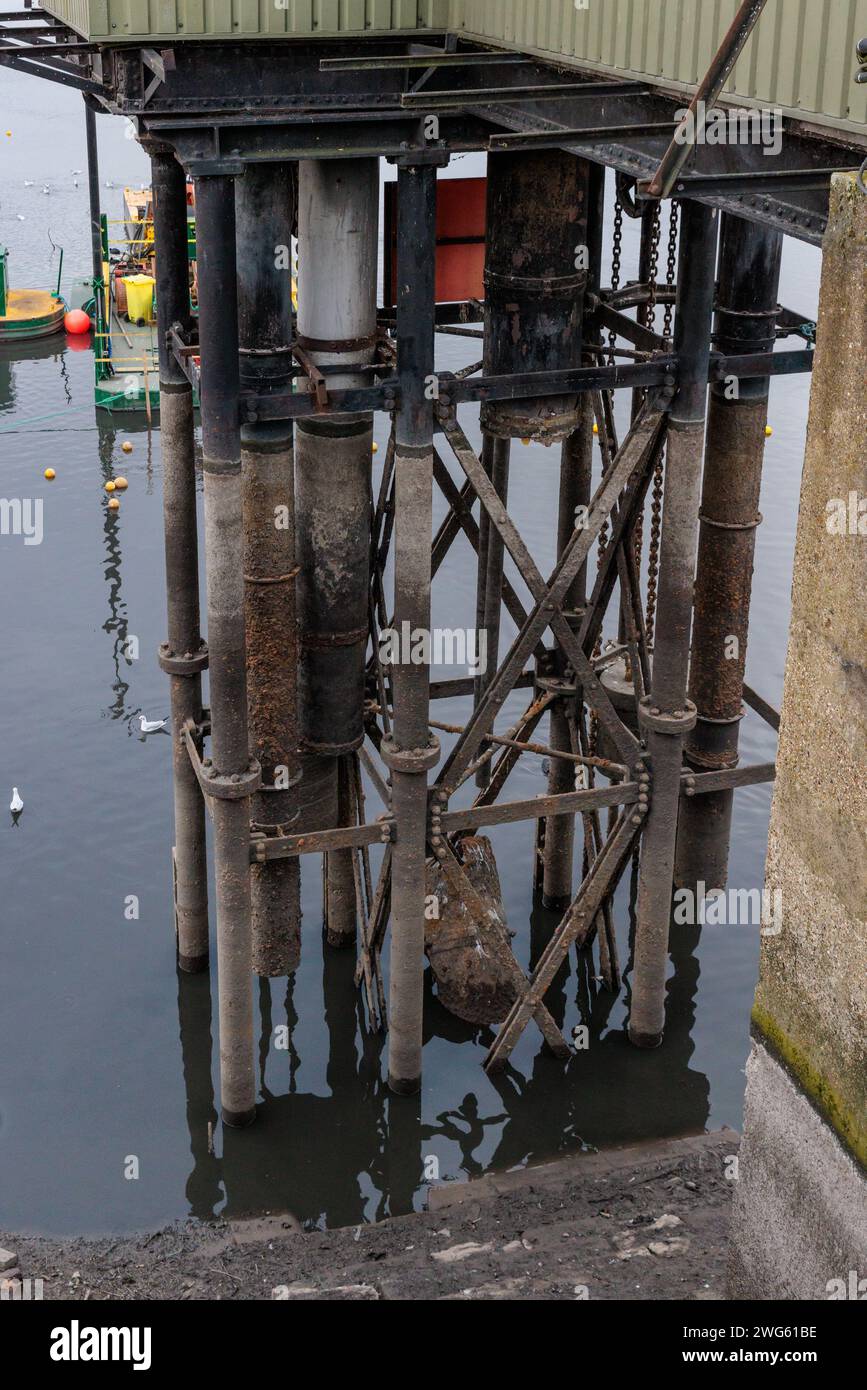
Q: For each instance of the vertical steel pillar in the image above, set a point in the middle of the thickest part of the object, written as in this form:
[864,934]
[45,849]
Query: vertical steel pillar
[411,751]
[338,212]
[95,215]
[265,214]
[666,714]
[749,282]
[576,466]
[231,778]
[183,656]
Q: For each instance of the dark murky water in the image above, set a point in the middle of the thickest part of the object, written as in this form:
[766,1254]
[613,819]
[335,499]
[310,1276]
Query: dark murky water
[104,1051]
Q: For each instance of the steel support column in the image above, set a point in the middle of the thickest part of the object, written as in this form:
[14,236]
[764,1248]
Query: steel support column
[265,214]
[749,281]
[337,248]
[411,751]
[183,655]
[666,714]
[576,467]
[230,775]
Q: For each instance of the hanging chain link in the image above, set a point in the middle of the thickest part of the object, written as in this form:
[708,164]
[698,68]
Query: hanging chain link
[659,470]
[653,264]
[671,269]
[616,259]
[601,424]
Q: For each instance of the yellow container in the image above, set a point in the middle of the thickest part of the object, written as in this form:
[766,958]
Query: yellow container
[139,297]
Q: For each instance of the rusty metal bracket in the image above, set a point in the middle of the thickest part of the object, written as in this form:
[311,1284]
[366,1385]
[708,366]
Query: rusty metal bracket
[225,787]
[410,760]
[317,384]
[677,722]
[190,664]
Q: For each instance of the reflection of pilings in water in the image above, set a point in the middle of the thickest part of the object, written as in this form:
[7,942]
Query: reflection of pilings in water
[338,206]
[194,1019]
[118,621]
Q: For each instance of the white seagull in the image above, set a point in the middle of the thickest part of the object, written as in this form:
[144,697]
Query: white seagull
[151,726]
[45,188]
[16,805]
[28,183]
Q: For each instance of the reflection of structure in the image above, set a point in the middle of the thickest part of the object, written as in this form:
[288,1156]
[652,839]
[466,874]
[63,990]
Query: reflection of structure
[117,623]
[357,1155]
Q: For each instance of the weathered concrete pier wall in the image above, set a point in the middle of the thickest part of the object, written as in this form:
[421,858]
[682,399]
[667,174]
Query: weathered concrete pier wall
[801,1206]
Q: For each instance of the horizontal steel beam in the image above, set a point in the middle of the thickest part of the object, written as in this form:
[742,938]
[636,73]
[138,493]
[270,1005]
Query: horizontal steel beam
[660,371]
[537,807]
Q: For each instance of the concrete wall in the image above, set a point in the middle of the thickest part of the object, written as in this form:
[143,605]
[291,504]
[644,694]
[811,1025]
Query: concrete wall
[800,1208]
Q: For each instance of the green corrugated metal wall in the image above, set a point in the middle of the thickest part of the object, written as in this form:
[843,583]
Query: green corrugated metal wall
[801,57]
[127,19]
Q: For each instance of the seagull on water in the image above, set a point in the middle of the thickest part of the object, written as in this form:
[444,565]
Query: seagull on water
[151,726]
[45,188]
[16,805]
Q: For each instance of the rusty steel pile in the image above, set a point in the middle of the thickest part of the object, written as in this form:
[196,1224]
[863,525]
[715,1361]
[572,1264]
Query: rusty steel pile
[305,719]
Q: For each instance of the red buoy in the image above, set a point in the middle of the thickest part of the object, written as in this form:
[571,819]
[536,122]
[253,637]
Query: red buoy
[76,321]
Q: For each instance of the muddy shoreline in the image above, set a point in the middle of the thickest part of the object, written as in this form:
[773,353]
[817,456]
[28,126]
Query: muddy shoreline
[646,1222]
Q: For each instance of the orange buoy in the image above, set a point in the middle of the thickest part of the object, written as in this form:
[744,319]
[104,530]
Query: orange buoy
[114,505]
[76,321]
[121,484]
[126,446]
[50,474]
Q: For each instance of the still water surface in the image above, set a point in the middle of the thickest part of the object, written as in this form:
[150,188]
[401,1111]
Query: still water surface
[105,1051]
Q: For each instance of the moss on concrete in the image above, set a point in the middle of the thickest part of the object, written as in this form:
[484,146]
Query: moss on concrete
[850,1125]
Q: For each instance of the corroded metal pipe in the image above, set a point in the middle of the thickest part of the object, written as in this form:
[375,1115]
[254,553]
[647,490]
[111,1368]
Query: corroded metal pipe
[666,714]
[749,281]
[534,284]
[338,212]
[183,655]
[265,201]
[230,771]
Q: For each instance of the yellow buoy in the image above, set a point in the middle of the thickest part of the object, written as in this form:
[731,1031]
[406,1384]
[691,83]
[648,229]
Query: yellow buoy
[375,447]
[768,431]
[49,474]
[121,484]
[595,428]
[114,505]
[126,446]
[110,486]
[9,132]
[525,441]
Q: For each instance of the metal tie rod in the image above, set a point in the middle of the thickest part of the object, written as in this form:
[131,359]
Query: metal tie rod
[435,59]
[542,139]
[484,96]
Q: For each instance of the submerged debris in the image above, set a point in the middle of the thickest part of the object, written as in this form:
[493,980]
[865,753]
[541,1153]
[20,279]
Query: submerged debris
[471,959]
